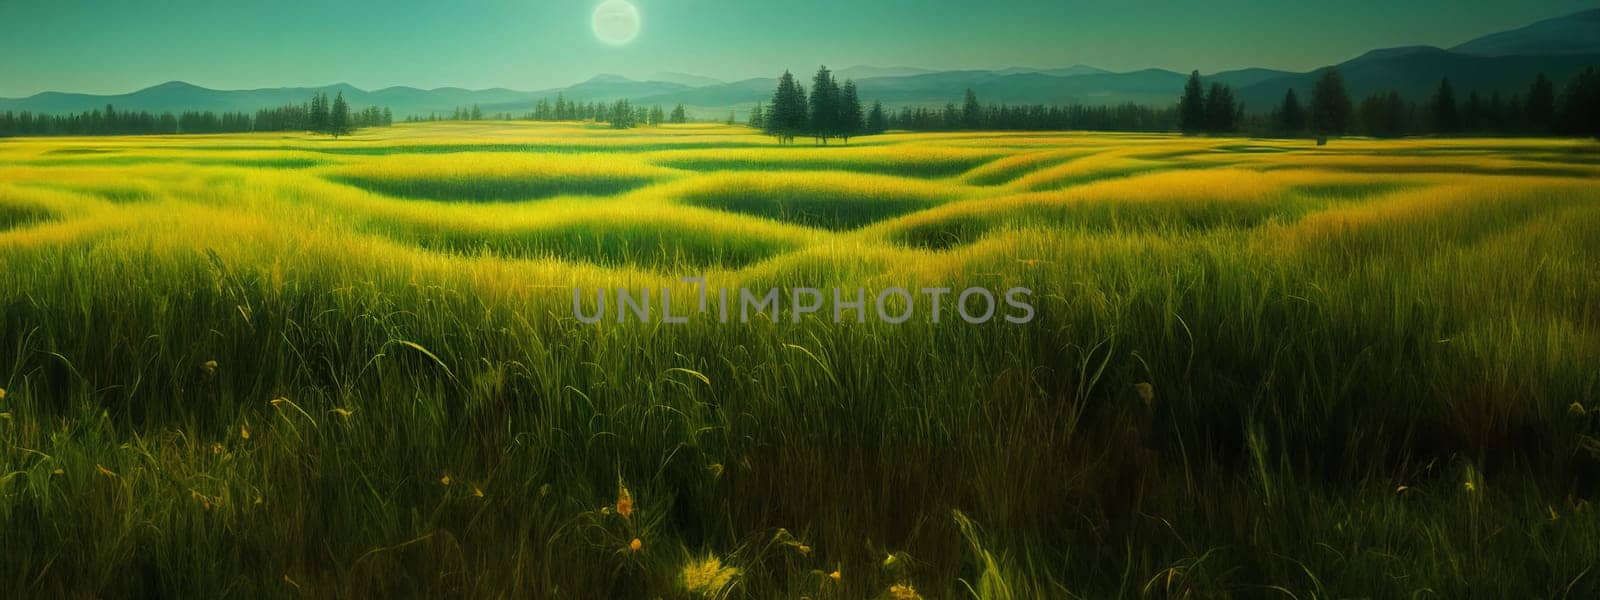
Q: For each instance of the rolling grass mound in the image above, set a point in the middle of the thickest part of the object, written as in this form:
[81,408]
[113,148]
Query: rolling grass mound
[498,177]
[824,199]
[912,161]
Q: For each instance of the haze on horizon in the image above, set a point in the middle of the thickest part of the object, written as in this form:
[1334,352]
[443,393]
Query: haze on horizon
[84,46]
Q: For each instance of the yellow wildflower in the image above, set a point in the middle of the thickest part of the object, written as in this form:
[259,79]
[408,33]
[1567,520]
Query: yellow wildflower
[477,492]
[244,430]
[635,545]
[210,367]
[216,448]
[1400,489]
[1574,408]
[1470,487]
[2,393]
[624,501]
[708,577]
[836,575]
[445,480]
[343,412]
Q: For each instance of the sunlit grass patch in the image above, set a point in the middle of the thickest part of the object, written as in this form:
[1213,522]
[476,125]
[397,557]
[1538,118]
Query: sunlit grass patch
[498,176]
[826,199]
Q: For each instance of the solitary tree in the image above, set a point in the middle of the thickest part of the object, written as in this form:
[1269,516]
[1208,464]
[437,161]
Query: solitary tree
[1330,105]
[1192,107]
[1291,117]
[339,117]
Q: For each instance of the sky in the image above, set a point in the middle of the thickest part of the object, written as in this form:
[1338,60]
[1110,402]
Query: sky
[108,46]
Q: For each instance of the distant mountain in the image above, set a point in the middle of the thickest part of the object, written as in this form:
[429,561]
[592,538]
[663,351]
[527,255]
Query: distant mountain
[1415,72]
[687,79]
[860,72]
[1573,34]
[1504,62]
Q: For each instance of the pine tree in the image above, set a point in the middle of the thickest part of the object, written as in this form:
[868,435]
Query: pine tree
[824,105]
[1330,105]
[1291,117]
[339,117]
[319,112]
[757,119]
[971,111]
[678,115]
[787,118]
[1443,108]
[849,111]
[876,123]
[1221,112]
[1192,106]
[1541,105]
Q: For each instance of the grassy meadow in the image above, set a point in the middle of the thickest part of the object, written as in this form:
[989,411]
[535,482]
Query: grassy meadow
[267,365]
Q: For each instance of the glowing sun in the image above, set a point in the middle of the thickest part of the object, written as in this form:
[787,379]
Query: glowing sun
[616,22]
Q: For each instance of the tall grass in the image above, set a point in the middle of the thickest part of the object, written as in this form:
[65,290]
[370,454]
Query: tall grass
[1277,378]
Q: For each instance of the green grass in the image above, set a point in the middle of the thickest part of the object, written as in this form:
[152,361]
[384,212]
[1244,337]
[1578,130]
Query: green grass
[1275,378]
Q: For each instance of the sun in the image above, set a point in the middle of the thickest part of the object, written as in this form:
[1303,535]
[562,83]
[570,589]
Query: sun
[616,22]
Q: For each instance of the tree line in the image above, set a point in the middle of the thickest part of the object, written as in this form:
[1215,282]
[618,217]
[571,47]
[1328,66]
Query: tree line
[831,111]
[1541,110]
[318,114]
[619,114]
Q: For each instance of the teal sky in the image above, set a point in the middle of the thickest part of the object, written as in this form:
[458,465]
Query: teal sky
[115,46]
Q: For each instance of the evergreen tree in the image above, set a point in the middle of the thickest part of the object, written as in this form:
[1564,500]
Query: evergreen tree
[757,119]
[732,119]
[876,122]
[339,117]
[477,114]
[787,118]
[1192,106]
[678,115]
[1330,105]
[1541,106]
[319,113]
[971,111]
[849,111]
[1442,107]
[1221,112]
[824,106]
[1291,117]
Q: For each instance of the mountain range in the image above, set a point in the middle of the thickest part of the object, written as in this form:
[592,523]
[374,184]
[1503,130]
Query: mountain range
[1504,61]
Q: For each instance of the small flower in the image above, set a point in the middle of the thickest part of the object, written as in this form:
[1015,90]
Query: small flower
[836,575]
[635,545]
[244,430]
[210,367]
[1553,514]
[1147,392]
[2,393]
[624,501]
[58,472]
[1470,487]
[804,549]
[445,481]
[715,468]
[477,492]
[343,412]
[1574,408]
[904,591]
[216,448]
[1401,489]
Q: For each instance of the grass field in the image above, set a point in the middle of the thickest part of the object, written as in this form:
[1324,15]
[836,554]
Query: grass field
[269,365]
